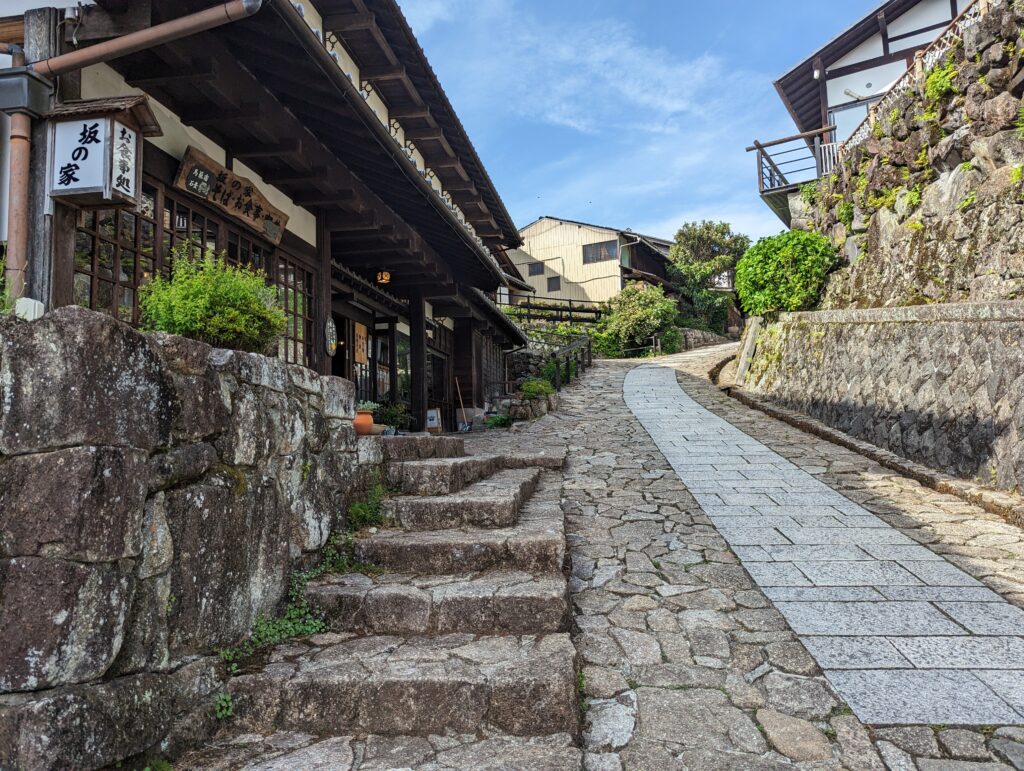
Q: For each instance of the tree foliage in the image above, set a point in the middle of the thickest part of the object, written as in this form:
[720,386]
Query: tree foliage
[220,304]
[702,251]
[784,272]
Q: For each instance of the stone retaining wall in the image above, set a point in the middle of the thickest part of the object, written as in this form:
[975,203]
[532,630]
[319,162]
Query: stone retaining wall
[930,207]
[942,385]
[154,494]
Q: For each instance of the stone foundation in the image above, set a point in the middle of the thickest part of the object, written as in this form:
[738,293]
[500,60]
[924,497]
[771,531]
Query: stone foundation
[154,495]
[941,385]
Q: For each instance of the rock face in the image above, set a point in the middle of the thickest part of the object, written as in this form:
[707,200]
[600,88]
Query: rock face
[928,204]
[940,385]
[154,495]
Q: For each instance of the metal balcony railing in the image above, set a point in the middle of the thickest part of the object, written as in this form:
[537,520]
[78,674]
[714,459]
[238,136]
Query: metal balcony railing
[791,161]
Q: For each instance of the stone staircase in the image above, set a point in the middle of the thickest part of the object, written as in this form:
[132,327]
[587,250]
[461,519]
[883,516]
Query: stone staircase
[457,655]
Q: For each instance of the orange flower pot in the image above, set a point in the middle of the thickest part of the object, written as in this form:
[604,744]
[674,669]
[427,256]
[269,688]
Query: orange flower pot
[363,422]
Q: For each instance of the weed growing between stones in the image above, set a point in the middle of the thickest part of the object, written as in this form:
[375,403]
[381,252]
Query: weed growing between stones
[159,765]
[224,706]
[300,618]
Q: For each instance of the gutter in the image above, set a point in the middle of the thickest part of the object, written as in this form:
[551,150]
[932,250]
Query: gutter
[350,92]
[30,77]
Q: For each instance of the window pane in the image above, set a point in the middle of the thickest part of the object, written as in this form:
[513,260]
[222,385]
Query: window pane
[83,252]
[106,260]
[86,218]
[127,230]
[536,268]
[127,272]
[83,290]
[148,237]
[554,283]
[602,252]
[148,203]
[104,296]
[107,224]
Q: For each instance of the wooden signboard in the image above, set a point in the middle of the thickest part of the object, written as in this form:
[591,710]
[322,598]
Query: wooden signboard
[202,176]
[362,334]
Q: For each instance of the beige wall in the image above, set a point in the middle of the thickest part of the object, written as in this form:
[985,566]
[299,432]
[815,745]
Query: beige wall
[559,246]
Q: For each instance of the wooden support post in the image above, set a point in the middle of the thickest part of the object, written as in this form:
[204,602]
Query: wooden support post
[418,360]
[393,361]
[558,372]
[374,388]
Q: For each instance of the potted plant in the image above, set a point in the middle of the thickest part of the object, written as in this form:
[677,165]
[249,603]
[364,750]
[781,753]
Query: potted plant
[394,415]
[363,421]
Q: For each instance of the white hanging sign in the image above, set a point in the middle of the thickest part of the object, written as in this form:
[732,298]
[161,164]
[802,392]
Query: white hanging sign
[80,151]
[95,161]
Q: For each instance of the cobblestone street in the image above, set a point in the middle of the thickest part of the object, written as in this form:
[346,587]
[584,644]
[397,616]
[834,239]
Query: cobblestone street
[722,595]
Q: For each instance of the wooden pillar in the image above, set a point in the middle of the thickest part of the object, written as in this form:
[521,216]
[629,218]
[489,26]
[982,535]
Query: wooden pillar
[393,361]
[322,311]
[374,388]
[466,362]
[418,360]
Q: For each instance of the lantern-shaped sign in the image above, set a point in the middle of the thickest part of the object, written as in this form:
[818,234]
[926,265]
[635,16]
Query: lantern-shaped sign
[96,147]
[383,276]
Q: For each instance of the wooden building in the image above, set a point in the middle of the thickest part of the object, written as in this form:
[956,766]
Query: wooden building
[312,140]
[829,92]
[565,260]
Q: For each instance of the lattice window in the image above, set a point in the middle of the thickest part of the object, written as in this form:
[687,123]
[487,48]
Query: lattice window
[296,285]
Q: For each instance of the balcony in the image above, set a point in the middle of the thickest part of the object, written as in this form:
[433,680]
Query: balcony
[783,165]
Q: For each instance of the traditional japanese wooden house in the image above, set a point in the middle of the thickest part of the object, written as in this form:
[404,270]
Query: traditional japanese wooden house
[310,139]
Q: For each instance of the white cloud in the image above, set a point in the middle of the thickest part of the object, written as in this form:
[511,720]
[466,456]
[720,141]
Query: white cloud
[424,14]
[646,137]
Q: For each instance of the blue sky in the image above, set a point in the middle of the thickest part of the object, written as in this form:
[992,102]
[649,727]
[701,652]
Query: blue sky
[628,114]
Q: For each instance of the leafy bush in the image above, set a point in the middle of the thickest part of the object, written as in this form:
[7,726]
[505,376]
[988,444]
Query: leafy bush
[535,388]
[606,345]
[368,513]
[844,213]
[638,313]
[365,405]
[672,340]
[220,304]
[784,272]
[498,421]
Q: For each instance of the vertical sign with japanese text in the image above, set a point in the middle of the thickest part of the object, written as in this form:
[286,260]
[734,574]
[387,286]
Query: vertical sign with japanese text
[125,160]
[80,153]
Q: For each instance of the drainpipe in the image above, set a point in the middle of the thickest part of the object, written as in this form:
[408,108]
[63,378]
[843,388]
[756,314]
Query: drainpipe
[21,122]
[17,220]
[148,38]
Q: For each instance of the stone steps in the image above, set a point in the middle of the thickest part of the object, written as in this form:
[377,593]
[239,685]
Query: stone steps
[421,447]
[535,544]
[336,685]
[296,750]
[404,604]
[491,502]
[440,476]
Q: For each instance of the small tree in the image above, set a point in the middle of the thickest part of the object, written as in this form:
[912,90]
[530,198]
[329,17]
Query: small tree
[638,313]
[220,304]
[702,251]
[784,272]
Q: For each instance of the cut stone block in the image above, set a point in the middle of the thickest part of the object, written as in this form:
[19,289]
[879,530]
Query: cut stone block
[402,604]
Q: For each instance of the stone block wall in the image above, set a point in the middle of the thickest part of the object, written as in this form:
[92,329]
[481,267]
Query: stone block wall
[154,495]
[930,207]
[942,385]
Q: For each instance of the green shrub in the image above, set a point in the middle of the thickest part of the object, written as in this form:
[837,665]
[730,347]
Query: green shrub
[535,388]
[606,345]
[220,304]
[784,272]
[498,421]
[1020,122]
[672,340]
[368,513]
[638,313]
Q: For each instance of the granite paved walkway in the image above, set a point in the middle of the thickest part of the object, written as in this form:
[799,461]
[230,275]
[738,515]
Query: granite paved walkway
[902,634]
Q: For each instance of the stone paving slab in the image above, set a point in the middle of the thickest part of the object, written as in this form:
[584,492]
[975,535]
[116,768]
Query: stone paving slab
[905,636]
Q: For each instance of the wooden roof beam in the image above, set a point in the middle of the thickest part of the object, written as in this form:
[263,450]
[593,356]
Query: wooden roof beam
[211,116]
[382,74]
[425,132]
[201,69]
[409,113]
[349,22]
[287,147]
[291,176]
